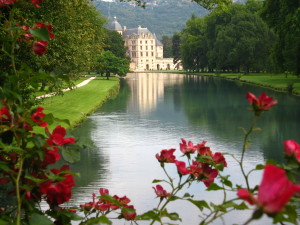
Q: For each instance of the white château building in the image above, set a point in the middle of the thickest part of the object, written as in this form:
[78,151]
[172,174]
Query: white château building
[144,49]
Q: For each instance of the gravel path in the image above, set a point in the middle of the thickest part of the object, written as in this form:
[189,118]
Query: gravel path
[67,89]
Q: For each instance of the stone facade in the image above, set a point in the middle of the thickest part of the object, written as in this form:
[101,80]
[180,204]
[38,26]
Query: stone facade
[143,48]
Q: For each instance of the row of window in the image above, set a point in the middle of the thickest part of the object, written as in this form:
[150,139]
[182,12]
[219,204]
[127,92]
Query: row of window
[133,42]
[141,48]
[134,54]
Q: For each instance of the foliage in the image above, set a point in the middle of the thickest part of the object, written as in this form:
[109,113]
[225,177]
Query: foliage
[235,39]
[167,43]
[114,43]
[109,63]
[164,18]
[76,22]
[283,16]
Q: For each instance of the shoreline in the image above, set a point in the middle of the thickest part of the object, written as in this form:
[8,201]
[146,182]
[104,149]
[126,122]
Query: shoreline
[75,105]
[288,88]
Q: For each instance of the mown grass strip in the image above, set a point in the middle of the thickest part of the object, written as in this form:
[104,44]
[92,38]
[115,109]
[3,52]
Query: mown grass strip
[279,82]
[76,104]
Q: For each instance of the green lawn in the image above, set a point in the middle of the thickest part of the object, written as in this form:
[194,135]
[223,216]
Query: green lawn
[277,82]
[76,104]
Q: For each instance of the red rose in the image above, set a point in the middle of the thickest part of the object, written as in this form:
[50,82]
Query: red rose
[274,191]
[37,117]
[166,156]
[182,168]
[160,192]
[187,148]
[57,137]
[262,103]
[128,215]
[39,47]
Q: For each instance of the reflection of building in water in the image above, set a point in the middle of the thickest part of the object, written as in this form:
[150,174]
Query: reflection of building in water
[144,49]
[148,89]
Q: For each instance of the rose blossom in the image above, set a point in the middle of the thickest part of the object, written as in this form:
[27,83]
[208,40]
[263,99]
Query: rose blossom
[4,114]
[262,103]
[57,137]
[58,192]
[128,215]
[204,150]
[39,47]
[182,168]
[37,117]
[160,192]
[35,3]
[187,148]
[166,156]
[220,159]
[274,191]
[292,148]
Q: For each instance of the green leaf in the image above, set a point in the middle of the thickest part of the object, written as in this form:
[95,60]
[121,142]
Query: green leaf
[98,220]
[171,216]
[226,182]
[259,167]
[200,204]
[110,199]
[218,207]
[187,195]
[2,222]
[71,154]
[38,219]
[4,167]
[214,187]
[41,33]
[150,215]
[156,181]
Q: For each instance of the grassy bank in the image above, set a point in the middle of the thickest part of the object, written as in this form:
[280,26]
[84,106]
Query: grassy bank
[76,104]
[278,82]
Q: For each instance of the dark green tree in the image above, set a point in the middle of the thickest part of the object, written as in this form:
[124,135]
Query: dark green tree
[114,43]
[176,47]
[284,17]
[194,46]
[108,63]
[167,43]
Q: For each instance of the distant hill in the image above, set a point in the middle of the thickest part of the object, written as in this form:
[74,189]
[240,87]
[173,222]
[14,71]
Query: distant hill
[162,17]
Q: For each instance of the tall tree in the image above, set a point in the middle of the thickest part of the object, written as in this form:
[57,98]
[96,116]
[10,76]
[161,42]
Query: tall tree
[109,63]
[176,48]
[114,43]
[167,43]
[194,46]
[284,17]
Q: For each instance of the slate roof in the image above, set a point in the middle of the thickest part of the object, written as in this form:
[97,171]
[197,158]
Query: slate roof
[137,31]
[115,25]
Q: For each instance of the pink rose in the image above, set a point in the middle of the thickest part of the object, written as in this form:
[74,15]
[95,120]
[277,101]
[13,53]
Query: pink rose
[166,156]
[274,191]
[262,103]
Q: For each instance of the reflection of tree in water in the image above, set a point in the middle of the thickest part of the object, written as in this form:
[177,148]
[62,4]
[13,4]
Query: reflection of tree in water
[92,162]
[120,101]
[222,105]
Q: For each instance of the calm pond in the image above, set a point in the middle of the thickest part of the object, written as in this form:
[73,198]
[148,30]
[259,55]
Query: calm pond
[153,111]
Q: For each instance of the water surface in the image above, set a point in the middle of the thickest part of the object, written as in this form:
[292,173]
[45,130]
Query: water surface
[152,112]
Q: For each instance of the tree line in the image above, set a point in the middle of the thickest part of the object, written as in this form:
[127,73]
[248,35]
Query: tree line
[252,37]
[79,40]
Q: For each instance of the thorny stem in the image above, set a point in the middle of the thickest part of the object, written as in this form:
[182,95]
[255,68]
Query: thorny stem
[173,193]
[17,182]
[171,183]
[245,148]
